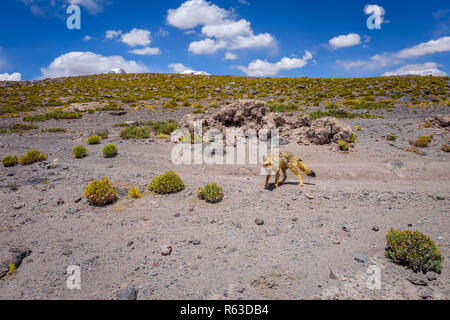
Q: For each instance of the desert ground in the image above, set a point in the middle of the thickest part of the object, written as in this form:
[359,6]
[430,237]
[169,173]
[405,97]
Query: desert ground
[316,241]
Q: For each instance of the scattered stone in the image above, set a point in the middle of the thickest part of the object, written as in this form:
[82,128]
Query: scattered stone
[195,242]
[18,206]
[130,243]
[431,275]
[309,196]
[60,202]
[259,222]
[166,250]
[363,258]
[130,293]
[375,228]
[332,275]
[67,252]
[418,280]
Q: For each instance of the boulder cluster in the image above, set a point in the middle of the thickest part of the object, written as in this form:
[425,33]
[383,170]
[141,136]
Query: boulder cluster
[254,114]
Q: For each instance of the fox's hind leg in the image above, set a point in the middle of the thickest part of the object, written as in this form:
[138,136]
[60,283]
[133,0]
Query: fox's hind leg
[297,173]
[277,178]
[284,176]
[267,181]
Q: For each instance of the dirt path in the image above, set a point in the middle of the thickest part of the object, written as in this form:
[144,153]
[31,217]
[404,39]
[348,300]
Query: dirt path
[305,249]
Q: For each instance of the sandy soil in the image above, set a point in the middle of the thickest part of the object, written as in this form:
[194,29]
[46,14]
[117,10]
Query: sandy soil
[306,248]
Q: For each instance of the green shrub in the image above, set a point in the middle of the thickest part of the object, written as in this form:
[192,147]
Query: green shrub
[283,108]
[101,192]
[93,140]
[54,130]
[341,114]
[164,127]
[110,151]
[353,138]
[9,161]
[391,137]
[422,141]
[134,192]
[167,183]
[413,249]
[102,134]
[134,132]
[211,193]
[191,138]
[57,115]
[343,145]
[32,156]
[80,152]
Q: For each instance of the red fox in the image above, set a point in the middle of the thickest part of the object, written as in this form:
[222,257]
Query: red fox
[282,161]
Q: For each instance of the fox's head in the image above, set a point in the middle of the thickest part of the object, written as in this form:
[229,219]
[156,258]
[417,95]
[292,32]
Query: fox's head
[267,162]
[271,164]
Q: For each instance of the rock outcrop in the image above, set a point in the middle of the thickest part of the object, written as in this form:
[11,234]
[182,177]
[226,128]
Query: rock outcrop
[442,120]
[253,114]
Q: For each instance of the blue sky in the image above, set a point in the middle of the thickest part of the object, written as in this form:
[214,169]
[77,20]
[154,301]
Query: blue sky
[287,38]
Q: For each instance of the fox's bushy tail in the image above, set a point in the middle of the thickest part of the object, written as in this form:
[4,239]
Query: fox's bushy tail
[305,169]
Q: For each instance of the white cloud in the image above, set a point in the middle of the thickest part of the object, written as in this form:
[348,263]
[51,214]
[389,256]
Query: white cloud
[193,13]
[92,6]
[389,59]
[219,26]
[16,76]
[41,8]
[430,47]
[230,56]
[87,63]
[136,37]
[342,41]
[87,38]
[377,11]
[206,46]
[180,68]
[147,51]
[260,68]
[426,69]
[111,34]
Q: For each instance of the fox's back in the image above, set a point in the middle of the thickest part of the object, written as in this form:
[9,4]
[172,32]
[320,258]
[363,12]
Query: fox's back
[287,160]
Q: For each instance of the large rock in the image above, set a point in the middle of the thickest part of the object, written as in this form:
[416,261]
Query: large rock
[442,120]
[254,114]
[11,256]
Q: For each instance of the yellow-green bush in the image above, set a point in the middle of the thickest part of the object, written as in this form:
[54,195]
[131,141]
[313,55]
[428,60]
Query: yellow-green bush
[343,145]
[101,192]
[80,152]
[167,183]
[211,193]
[9,161]
[134,132]
[134,192]
[413,249]
[422,141]
[93,140]
[32,156]
[110,151]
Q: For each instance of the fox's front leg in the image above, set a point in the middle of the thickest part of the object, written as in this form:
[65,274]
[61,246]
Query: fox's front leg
[267,181]
[297,173]
[277,178]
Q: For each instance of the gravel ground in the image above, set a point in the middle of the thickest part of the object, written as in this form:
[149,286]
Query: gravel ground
[307,248]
